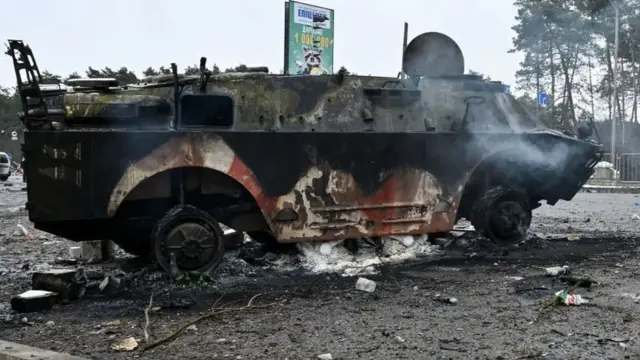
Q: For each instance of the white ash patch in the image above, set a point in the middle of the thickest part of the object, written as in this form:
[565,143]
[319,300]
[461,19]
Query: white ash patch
[315,259]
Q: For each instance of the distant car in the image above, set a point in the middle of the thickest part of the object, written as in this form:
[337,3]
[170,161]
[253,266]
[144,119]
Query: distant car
[5,166]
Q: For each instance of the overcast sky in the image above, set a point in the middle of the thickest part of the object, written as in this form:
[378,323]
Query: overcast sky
[70,35]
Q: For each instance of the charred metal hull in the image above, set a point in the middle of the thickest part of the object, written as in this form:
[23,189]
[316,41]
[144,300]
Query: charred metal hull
[334,185]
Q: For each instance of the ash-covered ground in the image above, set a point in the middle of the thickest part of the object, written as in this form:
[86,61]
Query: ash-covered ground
[309,305]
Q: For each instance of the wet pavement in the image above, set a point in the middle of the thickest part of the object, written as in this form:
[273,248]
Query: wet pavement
[301,314]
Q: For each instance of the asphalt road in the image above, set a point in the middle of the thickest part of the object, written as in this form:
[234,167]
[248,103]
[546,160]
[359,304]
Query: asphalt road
[301,315]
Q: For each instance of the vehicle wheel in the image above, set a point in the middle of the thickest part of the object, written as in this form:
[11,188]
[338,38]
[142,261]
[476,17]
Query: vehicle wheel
[135,242]
[192,236]
[503,215]
[4,178]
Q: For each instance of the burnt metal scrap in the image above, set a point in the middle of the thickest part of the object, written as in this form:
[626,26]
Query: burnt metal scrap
[156,166]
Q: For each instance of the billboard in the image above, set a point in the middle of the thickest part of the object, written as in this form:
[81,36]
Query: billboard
[308,44]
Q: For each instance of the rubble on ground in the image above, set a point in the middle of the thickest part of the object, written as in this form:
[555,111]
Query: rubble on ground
[70,284]
[34,301]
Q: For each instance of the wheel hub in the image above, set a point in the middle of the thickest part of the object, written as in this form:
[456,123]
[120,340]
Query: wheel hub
[506,218]
[191,248]
[192,243]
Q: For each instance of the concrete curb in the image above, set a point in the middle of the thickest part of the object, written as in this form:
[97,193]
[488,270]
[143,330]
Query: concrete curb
[611,189]
[14,351]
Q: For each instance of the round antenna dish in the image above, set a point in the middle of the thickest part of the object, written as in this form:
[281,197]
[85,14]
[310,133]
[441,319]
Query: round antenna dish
[432,54]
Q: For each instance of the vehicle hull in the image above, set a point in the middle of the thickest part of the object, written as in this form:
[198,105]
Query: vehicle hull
[307,186]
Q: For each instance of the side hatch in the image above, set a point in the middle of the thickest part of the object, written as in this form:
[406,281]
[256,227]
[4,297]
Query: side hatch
[58,181]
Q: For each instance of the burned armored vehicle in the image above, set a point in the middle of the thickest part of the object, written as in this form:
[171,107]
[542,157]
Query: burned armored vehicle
[158,166]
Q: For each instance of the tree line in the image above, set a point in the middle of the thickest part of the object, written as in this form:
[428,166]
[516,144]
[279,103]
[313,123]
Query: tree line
[569,53]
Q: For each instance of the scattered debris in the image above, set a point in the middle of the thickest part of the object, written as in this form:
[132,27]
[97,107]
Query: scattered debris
[26,232]
[620,341]
[34,300]
[92,251]
[635,217]
[326,356]
[128,344]
[192,327]
[65,262]
[406,240]
[451,347]
[556,270]
[233,239]
[634,297]
[109,284]
[75,252]
[50,323]
[194,278]
[584,282]
[214,311]
[327,247]
[70,284]
[370,252]
[446,299]
[573,238]
[364,284]
[570,299]
[442,242]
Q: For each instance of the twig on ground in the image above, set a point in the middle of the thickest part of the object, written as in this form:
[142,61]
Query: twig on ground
[362,268]
[217,301]
[371,349]
[584,282]
[146,318]
[209,314]
[384,267]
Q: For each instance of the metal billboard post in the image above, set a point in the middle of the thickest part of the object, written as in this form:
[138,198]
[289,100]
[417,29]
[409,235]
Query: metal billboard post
[614,120]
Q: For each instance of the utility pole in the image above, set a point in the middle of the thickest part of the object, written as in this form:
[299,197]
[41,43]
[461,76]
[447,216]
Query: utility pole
[538,81]
[614,121]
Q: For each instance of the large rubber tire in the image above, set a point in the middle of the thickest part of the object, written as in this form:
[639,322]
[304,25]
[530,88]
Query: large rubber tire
[177,217]
[503,215]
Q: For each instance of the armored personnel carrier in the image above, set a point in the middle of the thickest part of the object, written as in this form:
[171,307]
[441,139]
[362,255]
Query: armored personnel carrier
[158,166]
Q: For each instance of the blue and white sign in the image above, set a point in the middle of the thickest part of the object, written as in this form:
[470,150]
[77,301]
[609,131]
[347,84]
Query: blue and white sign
[303,14]
[507,89]
[542,98]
